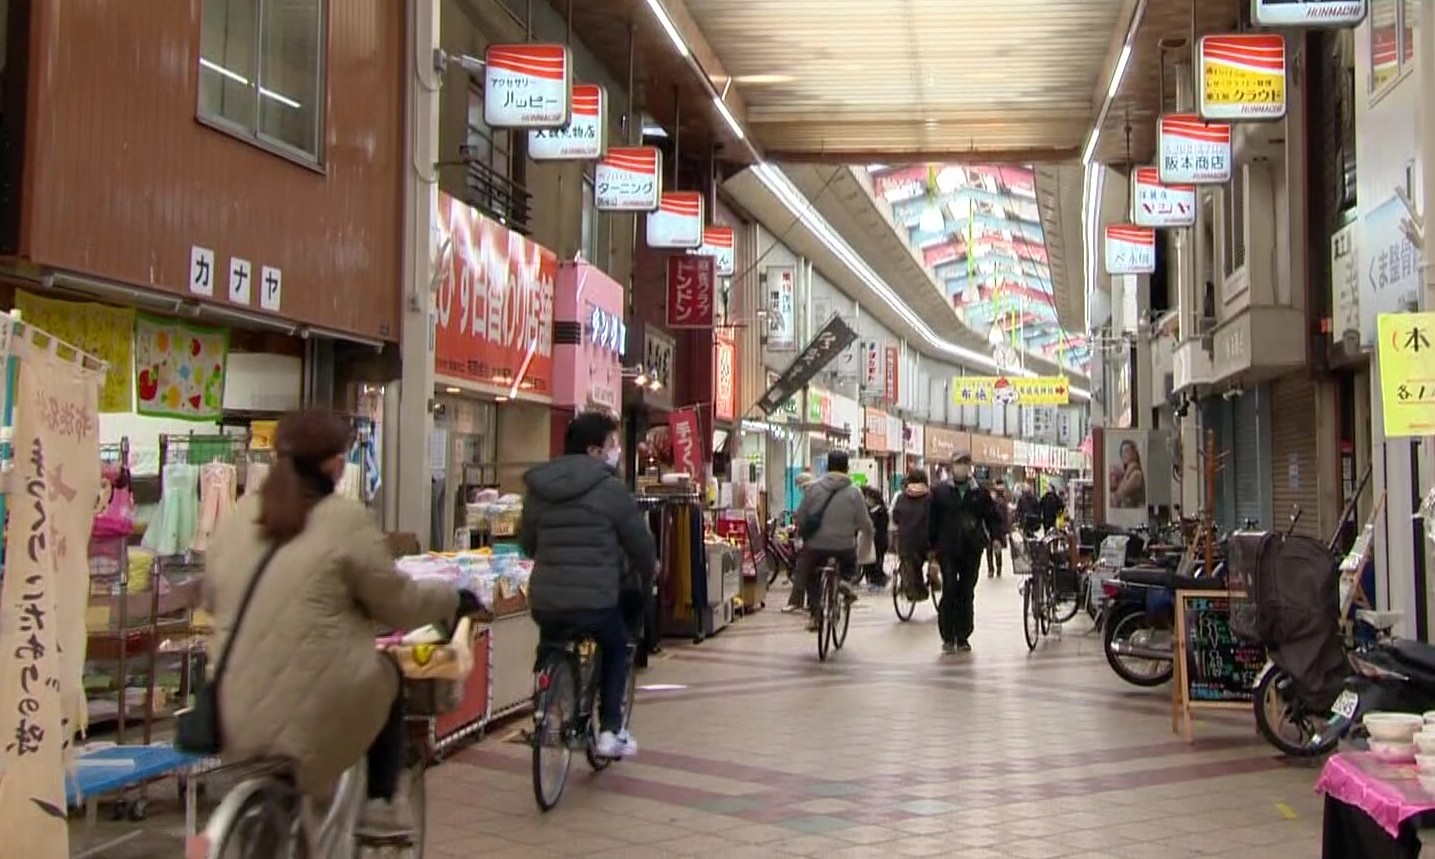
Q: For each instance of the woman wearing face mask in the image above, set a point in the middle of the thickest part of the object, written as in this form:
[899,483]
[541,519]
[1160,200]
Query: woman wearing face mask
[303,681]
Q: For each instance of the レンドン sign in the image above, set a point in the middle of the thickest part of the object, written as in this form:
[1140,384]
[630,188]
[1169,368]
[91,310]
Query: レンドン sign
[1130,249]
[1243,76]
[628,179]
[1193,151]
[691,294]
[527,86]
[1155,204]
[584,138]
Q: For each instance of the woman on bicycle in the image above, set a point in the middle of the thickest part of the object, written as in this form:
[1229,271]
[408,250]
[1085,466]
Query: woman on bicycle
[305,683]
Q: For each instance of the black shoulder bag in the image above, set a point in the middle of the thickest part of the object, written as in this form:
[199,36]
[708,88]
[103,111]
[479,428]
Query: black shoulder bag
[197,730]
[812,522]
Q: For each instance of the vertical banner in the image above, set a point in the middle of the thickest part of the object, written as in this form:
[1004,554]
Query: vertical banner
[874,369]
[891,379]
[724,375]
[687,441]
[43,595]
[691,297]
[781,309]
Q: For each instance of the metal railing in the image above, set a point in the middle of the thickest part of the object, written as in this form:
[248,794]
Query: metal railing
[496,195]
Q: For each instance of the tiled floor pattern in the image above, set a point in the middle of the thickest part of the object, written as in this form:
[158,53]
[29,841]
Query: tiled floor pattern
[893,750]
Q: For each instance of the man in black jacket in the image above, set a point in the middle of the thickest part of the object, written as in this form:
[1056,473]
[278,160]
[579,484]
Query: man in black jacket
[589,544]
[963,521]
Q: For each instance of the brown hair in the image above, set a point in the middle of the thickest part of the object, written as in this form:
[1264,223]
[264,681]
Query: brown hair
[303,442]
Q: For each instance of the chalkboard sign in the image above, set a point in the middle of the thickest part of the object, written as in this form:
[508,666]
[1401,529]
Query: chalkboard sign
[1218,666]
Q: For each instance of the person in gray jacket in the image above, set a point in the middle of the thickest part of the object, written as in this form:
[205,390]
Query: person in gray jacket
[831,515]
[589,544]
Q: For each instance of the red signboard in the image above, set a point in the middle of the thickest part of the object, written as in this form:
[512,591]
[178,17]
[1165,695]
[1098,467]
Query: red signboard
[691,298]
[495,304]
[890,391]
[724,375]
[687,442]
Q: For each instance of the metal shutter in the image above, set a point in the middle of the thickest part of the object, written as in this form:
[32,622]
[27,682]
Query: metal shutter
[1215,415]
[1293,454]
[1245,460]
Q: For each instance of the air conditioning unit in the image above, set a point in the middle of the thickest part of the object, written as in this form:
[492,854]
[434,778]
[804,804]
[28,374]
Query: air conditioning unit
[1254,142]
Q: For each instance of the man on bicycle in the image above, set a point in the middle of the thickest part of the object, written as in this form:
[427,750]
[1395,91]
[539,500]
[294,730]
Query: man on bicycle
[830,517]
[589,544]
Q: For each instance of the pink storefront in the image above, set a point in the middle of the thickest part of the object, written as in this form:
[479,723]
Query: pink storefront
[589,338]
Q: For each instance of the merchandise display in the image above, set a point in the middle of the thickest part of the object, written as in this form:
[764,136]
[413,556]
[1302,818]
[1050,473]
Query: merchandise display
[498,579]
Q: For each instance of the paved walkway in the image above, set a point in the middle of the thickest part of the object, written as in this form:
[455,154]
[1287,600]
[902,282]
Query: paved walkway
[890,750]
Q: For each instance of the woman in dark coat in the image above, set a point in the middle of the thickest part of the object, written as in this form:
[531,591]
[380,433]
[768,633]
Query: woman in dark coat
[881,523]
[910,515]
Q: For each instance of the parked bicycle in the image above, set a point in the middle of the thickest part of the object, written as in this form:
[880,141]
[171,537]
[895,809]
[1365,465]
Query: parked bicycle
[834,614]
[1051,593]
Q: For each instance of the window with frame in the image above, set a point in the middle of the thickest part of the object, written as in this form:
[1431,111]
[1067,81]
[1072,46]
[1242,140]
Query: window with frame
[261,72]
[595,227]
[1392,40]
[487,146]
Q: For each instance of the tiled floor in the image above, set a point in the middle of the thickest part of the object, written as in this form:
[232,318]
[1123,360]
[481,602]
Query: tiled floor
[893,750]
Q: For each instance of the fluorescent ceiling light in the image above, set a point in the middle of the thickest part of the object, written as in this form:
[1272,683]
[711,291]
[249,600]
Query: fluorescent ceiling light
[669,27]
[726,112]
[801,208]
[1112,88]
[654,131]
[873,168]
[243,81]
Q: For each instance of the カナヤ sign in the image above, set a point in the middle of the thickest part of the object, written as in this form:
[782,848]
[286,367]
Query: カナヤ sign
[718,244]
[1155,204]
[584,138]
[628,179]
[1243,76]
[691,295]
[1406,351]
[494,304]
[1130,249]
[527,86]
[1192,151]
[678,222]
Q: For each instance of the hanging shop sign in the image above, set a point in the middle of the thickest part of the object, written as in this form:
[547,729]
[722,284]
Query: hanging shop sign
[789,412]
[724,375]
[1130,249]
[891,378]
[875,437]
[1308,13]
[527,86]
[1193,151]
[494,305]
[628,179]
[584,138]
[588,373]
[874,369]
[678,222]
[944,445]
[179,368]
[1242,76]
[780,281]
[1155,204]
[1406,352]
[819,407]
[659,350]
[834,337]
[606,330]
[1390,267]
[103,331]
[914,439]
[692,297]
[1345,281]
[1011,390]
[718,244]
[687,442]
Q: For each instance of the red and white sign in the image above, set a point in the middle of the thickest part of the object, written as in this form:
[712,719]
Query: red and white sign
[1193,151]
[678,222]
[584,138]
[691,294]
[1130,249]
[494,304]
[527,86]
[629,179]
[724,375]
[874,436]
[1242,76]
[1308,13]
[1157,205]
[890,377]
[874,369]
[718,244]
[687,442]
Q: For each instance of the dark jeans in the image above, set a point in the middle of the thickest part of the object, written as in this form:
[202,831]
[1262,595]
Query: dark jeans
[959,588]
[610,630]
[876,572]
[994,557]
[912,575]
[809,569]
[386,752]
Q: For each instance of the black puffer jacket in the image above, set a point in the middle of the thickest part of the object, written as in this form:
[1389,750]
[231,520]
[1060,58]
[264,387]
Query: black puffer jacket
[585,535]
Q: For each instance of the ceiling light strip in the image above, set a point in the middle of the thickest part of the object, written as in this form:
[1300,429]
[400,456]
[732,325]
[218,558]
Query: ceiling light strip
[1114,86]
[669,27]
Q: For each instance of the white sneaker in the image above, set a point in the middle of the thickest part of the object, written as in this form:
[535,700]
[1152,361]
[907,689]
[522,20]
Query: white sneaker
[619,745]
[388,818]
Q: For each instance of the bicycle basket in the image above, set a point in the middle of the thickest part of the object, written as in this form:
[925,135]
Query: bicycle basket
[434,674]
[1020,555]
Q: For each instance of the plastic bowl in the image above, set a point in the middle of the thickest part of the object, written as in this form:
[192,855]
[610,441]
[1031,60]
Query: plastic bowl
[1393,753]
[1393,727]
[1425,741]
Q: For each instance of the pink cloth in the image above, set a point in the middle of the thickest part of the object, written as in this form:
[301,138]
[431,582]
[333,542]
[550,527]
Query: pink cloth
[1389,793]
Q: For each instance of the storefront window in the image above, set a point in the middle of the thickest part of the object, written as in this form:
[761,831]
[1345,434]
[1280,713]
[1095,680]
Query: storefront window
[1392,40]
[261,71]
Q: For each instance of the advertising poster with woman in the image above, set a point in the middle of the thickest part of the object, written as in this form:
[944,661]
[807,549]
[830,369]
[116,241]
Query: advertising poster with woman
[1125,479]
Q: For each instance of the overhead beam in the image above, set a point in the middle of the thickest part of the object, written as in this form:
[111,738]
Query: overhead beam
[883,155]
[1113,56]
[994,115]
[703,56]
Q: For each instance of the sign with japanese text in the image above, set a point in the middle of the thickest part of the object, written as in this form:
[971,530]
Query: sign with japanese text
[678,222]
[891,380]
[1390,267]
[54,491]
[584,138]
[494,304]
[781,308]
[724,375]
[659,350]
[875,437]
[718,244]
[819,407]
[1242,76]
[874,369]
[687,442]
[606,331]
[628,179]
[1130,249]
[1406,351]
[691,292]
[834,337]
[1345,281]
[1011,390]
[1154,204]
[527,86]
[1307,13]
[1192,151]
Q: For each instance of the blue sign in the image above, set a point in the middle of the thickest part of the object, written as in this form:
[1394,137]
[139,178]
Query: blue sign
[607,331]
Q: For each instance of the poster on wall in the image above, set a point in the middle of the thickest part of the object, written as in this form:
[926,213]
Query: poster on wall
[1390,267]
[1406,354]
[1242,76]
[1124,483]
[1130,249]
[781,308]
[584,138]
[104,332]
[628,179]
[1156,204]
[718,244]
[1191,151]
[1308,13]
[179,368]
[527,86]
[678,222]
[692,293]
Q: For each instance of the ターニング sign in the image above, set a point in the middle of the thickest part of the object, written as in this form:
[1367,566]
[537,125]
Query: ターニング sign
[628,179]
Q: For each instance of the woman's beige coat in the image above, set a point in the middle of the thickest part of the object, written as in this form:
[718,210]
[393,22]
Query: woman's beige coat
[304,681]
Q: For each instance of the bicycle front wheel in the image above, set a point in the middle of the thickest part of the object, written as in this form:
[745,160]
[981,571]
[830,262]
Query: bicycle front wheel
[823,613]
[555,709]
[841,621]
[265,825]
[1030,626]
